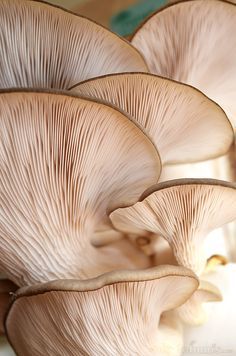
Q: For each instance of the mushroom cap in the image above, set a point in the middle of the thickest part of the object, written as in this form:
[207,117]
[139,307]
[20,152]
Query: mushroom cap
[67,316]
[65,162]
[183,123]
[183,211]
[44,46]
[194,42]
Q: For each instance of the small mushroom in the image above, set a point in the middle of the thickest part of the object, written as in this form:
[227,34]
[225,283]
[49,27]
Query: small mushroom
[193,312]
[44,46]
[184,212]
[178,118]
[217,335]
[194,42]
[65,162]
[118,313]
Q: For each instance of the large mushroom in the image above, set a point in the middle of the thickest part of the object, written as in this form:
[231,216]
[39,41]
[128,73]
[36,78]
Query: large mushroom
[65,163]
[178,118]
[119,313]
[184,212]
[44,46]
[186,43]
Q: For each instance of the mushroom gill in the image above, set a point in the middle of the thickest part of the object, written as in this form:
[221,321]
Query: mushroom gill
[44,46]
[194,42]
[184,212]
[178,118]
[119,313]
[65,163]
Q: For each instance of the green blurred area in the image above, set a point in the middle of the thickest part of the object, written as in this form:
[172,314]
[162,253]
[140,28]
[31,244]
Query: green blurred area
[125,22]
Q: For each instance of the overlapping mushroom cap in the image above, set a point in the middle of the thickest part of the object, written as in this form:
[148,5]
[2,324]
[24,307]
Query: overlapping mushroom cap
[194,42]
[43,46]
[183,211]
[178,118]
[115,314]
[65,162]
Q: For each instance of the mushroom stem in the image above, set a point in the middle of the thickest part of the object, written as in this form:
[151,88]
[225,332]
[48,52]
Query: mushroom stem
[170,334]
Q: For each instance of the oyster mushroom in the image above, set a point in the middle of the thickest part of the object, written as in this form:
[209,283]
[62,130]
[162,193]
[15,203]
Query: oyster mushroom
[178,118]
[65,162]
[193,312]
[184,212]
[44,46]
[187,42]
[67,317]
[218,334]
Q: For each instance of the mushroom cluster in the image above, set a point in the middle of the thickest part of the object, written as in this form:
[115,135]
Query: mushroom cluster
[117,170]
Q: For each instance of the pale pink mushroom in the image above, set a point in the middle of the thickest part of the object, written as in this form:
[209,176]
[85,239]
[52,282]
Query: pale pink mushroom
[44,46]
[119,313]
[65,162]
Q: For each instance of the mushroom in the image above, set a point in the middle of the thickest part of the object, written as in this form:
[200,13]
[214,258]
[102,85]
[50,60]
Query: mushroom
[6,287]
[187,42]
[182,211]
[44,46]
[178,118]
[65,163]
[217,336]
[193,312]
[67,317]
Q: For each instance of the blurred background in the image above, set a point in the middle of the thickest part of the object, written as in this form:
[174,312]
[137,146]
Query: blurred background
[121,16]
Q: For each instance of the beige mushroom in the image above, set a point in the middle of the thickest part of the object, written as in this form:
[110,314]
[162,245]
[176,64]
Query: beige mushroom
[218,335]
[44,46]
[115,314]
[194,42]
[184,212]
[65,162]
[193,312]
[177,117]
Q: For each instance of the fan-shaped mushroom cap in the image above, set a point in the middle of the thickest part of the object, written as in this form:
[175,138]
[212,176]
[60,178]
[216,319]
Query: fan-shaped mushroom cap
[193,312]
[6,287]
[219,168]
[178,118]
[64,162]
[183,211]
[194,42]
[43,46]
[67,317]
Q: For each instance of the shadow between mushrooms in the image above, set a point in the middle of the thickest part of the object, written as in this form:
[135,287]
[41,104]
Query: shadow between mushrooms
[183,123]
[44,46]
[6,288]
[194,42]
[65,163]
[67,317]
